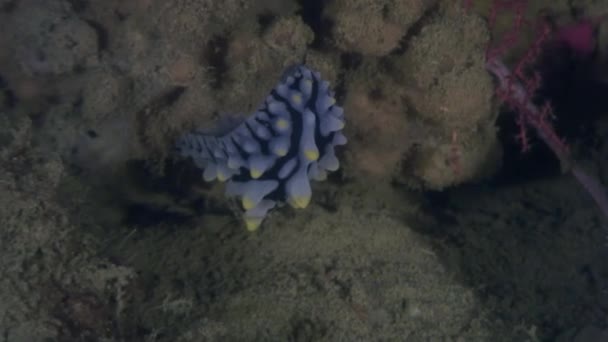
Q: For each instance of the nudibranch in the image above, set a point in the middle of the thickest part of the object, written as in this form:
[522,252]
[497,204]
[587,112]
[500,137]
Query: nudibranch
[270,157]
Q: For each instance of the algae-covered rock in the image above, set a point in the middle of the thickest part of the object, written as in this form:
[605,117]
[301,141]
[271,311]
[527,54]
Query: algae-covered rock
[449,89]
[105,236]
[379,127]
[437,165]
[254,63]
[50,38]
[445,64]
[374,28]
[328,64]
[425,117]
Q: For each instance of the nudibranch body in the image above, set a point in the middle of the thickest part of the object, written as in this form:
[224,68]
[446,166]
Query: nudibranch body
[271,156]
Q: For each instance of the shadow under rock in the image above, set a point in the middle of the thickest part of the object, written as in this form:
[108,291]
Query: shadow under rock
[534,253]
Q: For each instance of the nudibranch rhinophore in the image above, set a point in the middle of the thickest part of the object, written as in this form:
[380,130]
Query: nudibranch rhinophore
[271,156]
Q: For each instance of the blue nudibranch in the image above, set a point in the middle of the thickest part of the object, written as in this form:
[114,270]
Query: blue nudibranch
[271,156]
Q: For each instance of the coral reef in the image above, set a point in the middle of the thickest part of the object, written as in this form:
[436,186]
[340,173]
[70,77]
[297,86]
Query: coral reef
[108,236]
[433,105]
[374,28]
[380,133]
[53,285]
[52,39]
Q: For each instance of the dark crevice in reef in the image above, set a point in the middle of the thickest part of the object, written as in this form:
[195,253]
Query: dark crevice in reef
[8,6]
[517,165]
[166,198]
[312,14]
[149,213]
[146,215]
[166,99]
[414,30]
[92,134]
[9,100]
[172,96]
[102,35]
[176,180]
[214,55]
[265,20]
[163,100]
[78,6]
[348,62]
[578,96]
[577,93]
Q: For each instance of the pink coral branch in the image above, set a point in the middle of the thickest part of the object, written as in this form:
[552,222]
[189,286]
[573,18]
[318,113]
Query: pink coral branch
[517,88]
[531,116]
[516,95]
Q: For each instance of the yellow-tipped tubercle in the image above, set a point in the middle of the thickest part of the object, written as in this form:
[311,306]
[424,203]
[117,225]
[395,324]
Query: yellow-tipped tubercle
[247,203]
[282,124]
[281,152]
[252,223]
[255,173]
[296,98]
[301,201]
[221,177]
[312,154]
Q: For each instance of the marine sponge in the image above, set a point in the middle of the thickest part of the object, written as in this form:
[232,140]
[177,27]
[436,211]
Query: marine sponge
[271,156]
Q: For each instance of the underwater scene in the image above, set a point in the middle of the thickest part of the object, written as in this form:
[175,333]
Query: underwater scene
[303,170]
